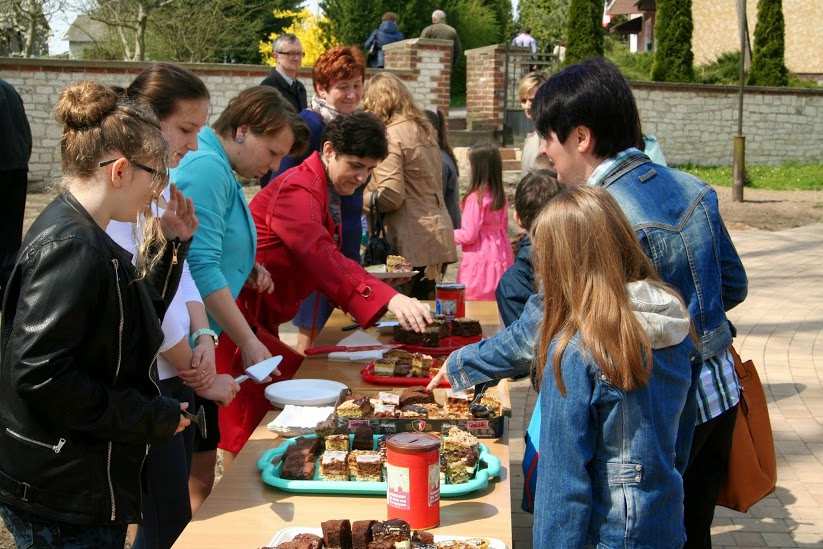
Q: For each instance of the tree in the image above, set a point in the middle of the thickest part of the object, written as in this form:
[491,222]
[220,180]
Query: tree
[128,20]
[24,26]
[349,22]
[585,31]
[502,10]
[768,68]
[477,26]
[673,57]
[547,20]
[307,27]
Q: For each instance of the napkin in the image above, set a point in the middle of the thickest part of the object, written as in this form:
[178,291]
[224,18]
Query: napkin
[299,419]
[358,338]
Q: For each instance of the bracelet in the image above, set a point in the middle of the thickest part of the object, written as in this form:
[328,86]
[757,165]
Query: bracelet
[202,331]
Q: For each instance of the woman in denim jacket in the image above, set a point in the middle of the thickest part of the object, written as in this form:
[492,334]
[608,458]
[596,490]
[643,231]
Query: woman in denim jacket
[613,371]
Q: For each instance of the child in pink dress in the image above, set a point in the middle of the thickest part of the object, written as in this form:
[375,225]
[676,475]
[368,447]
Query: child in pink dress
[484,227]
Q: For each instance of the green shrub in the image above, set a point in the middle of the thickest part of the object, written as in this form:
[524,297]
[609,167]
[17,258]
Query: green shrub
[768,68]
[634,66]
[585,33]
[673,58]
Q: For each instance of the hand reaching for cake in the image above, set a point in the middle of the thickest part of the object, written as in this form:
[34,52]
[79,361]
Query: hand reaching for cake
[411,314]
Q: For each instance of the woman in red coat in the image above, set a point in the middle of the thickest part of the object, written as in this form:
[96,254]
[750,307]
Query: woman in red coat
[298,241]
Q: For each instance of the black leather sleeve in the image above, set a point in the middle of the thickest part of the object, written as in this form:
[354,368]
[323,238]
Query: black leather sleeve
[59,314]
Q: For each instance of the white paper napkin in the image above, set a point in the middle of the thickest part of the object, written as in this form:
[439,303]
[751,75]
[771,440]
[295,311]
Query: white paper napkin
[299,418]
[353,340]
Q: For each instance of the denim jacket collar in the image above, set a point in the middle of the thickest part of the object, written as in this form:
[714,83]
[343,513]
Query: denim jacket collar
[611,168]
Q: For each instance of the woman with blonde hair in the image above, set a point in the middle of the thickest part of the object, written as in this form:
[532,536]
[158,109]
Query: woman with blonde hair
[407,186]
[526,90]
[81,334]
[614,374]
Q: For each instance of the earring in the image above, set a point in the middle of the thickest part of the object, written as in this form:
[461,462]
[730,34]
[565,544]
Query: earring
[239,139]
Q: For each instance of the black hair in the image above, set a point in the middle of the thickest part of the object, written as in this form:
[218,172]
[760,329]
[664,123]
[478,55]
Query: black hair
[533,192]
[593,94]
[358,134]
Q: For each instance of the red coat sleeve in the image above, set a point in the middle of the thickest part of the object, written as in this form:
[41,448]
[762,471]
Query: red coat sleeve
[296,215]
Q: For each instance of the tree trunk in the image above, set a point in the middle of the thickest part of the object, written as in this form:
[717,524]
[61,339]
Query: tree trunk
[140,34]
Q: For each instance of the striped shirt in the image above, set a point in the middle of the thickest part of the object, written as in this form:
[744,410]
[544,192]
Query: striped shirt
[719,388]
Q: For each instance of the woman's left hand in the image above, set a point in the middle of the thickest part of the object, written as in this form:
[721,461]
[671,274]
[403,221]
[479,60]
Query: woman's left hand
[411,314]
[178,219]
[260,280]
[203,359]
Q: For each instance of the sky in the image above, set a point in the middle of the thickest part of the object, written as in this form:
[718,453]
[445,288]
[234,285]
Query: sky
[60,23]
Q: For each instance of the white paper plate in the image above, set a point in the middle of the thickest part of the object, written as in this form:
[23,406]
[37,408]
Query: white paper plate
[288,534]
[304,392]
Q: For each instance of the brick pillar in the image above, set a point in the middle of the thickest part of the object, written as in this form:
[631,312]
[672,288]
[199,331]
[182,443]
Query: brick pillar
[425,67]
[485,87]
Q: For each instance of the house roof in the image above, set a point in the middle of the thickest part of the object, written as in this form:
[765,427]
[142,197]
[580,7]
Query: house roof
[628,7]
[85,29]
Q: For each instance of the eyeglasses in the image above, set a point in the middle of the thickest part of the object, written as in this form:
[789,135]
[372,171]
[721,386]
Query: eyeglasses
[152,171]
[291,53]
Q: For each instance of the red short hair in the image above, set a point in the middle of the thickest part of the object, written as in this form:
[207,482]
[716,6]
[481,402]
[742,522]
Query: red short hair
[338,63]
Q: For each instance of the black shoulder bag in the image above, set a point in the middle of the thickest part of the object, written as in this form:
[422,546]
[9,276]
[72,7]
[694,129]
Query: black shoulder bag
[377,247]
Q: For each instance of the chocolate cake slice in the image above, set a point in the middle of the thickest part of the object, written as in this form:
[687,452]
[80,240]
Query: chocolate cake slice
[298,467]
[302,541]
[393,530]
[363,438]
[361,533]
[415,395]
[466,327]
[337,534]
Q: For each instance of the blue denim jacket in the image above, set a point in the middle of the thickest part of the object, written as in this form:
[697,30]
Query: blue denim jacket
[675,215]
[607,474]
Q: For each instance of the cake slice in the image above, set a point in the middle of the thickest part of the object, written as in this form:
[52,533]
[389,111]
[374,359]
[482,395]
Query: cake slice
[355,409]
[384,367]
[363,438]
[336,534]
[361,533]
[398,264]
[457,403]
[420,365]
[333,466]
[388,398]
[385,410]
[415,395]
[466,327]
[338,443]
[368,467]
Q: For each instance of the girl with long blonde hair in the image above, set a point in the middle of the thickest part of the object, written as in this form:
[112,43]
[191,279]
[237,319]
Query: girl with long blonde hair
[614,372]
[407,187]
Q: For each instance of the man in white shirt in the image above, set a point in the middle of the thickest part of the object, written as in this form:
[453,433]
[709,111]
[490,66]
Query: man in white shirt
[525,40]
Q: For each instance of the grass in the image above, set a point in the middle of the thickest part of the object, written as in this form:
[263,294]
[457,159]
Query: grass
[785,177]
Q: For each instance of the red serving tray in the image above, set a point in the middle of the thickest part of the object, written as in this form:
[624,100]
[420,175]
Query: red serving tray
[447,345]
[368,375]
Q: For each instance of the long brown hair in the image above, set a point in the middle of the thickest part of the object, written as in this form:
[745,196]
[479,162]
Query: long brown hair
[97,122]
[584,254]
[388,97]
[438,120]
[487,174]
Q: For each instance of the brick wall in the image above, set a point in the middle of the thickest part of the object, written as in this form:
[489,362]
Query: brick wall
[694,123]
[485,87]
[39,82]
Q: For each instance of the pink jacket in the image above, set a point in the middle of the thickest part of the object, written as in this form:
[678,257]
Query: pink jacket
[486,249]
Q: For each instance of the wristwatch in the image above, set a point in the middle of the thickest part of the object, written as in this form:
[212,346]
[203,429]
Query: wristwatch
[202,331]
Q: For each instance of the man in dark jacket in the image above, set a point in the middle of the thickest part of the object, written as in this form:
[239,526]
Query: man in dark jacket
[288,54]
[386,33]
[517,284]
[15,150]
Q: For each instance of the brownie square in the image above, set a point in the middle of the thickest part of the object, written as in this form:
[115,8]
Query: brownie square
[298,467]
[361,533]
[415,395]
[336,534]
[363,438]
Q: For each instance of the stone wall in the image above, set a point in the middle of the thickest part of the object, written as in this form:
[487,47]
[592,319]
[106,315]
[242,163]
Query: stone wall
[694,123]
[424,65]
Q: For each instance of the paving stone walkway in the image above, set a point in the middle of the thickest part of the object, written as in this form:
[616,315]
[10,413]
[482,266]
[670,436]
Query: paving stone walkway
[780,328]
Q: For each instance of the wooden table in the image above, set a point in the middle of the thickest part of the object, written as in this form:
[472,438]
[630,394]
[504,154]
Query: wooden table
[242,512]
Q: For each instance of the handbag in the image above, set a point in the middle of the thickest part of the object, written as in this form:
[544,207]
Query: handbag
[752,463]
[378,247]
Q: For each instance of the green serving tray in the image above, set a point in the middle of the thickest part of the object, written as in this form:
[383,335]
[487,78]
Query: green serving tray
[488,468]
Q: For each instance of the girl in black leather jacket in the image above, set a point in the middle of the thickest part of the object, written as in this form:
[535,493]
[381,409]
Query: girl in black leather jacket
[80,333]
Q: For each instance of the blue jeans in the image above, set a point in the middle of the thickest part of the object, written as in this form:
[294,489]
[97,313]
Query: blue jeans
[31,531]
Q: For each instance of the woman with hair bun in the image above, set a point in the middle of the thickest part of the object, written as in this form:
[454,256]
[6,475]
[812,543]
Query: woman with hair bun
[80,332]
[186,363]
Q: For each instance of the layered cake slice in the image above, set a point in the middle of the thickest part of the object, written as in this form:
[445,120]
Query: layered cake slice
[368,466]
[460,450]
[457,403]
[338,443]
[398,264]
[355,409]
[333,465]
[384,366]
